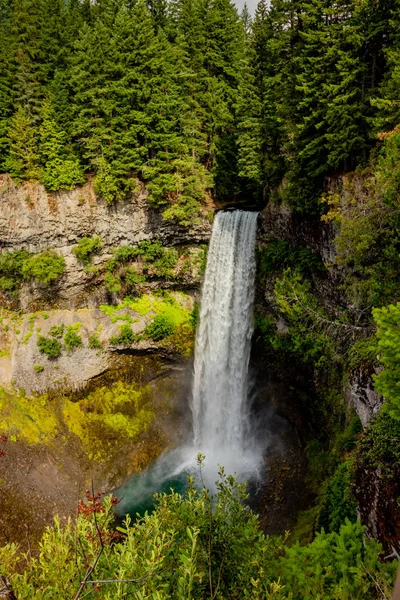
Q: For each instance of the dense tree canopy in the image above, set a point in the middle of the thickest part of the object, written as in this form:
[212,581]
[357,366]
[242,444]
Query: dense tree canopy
[192,99]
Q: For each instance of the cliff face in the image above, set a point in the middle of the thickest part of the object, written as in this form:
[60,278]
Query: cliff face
[33,219]
[52,450]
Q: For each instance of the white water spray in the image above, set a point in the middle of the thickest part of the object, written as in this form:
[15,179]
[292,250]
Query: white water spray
[219,402]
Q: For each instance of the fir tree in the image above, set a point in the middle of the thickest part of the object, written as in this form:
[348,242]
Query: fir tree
[23,160]
[61,169]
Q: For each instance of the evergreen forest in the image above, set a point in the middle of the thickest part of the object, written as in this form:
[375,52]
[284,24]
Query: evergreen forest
[193,98]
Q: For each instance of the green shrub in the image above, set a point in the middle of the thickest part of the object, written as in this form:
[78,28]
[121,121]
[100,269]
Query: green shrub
[279,255]
[87,247]
[387,382]
[160,327]
[126,336]
[71,338]
[38,368]
[57,331]
[363,353]
[49,346]
[11,264]
[379,449]
[192,545]
[95,343]
[46,267]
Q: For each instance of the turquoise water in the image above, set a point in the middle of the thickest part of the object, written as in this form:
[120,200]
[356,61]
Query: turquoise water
[136,495]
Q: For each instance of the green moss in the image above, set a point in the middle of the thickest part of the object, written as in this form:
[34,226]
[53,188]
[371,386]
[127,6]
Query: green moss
[38,368]
[109,416]
[30,419]
[125,336]
[95,343]
[161,327]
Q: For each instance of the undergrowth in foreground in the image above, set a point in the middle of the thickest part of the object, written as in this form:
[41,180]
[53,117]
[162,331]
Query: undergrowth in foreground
[194,546]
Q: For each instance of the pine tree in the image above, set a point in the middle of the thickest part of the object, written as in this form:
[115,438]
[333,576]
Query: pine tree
[61,169]
[28,55]
[6,78]
[23,160]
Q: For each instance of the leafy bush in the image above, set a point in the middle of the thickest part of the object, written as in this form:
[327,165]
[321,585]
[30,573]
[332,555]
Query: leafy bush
[95,343]
[49,346]
[11,264]
[379,449]
[387,382]
[339,502]
[126,335]
[363,353]
[191,547]
[71,338]
[160,327]
[46,267]
[87,247]
[57,331]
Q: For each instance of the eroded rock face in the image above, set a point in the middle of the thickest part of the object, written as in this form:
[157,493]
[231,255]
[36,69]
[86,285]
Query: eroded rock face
[279,222]
[33,219]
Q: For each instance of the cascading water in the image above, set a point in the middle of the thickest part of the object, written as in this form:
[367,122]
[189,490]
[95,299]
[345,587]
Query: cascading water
[219,400]
[220,386]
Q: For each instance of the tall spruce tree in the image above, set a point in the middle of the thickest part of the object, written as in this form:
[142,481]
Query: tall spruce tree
[60,168]
[6,78]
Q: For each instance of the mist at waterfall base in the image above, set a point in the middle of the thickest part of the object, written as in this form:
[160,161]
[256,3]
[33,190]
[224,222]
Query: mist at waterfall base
[221,397]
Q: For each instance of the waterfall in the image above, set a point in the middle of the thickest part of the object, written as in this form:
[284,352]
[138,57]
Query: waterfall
[221,423]
[219,400]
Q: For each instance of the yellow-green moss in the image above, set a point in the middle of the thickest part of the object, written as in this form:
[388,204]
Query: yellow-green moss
[109,416]
[29,419]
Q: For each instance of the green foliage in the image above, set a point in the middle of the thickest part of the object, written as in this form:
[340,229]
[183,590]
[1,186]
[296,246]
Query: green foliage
[193,545]
[387,382]
[379,449]
[363,353]
[87,247]
[46,267]
[95,343]
[11,264]
[322,569]
[57,331]
[49,346]
[279,255]
[72,339]
[307,336]
[161,326]
[23,160]
[126,335]
[339,502]
[61,168]
[38,368]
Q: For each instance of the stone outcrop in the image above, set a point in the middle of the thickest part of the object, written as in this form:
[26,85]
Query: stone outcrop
[33,219]
[360,394]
